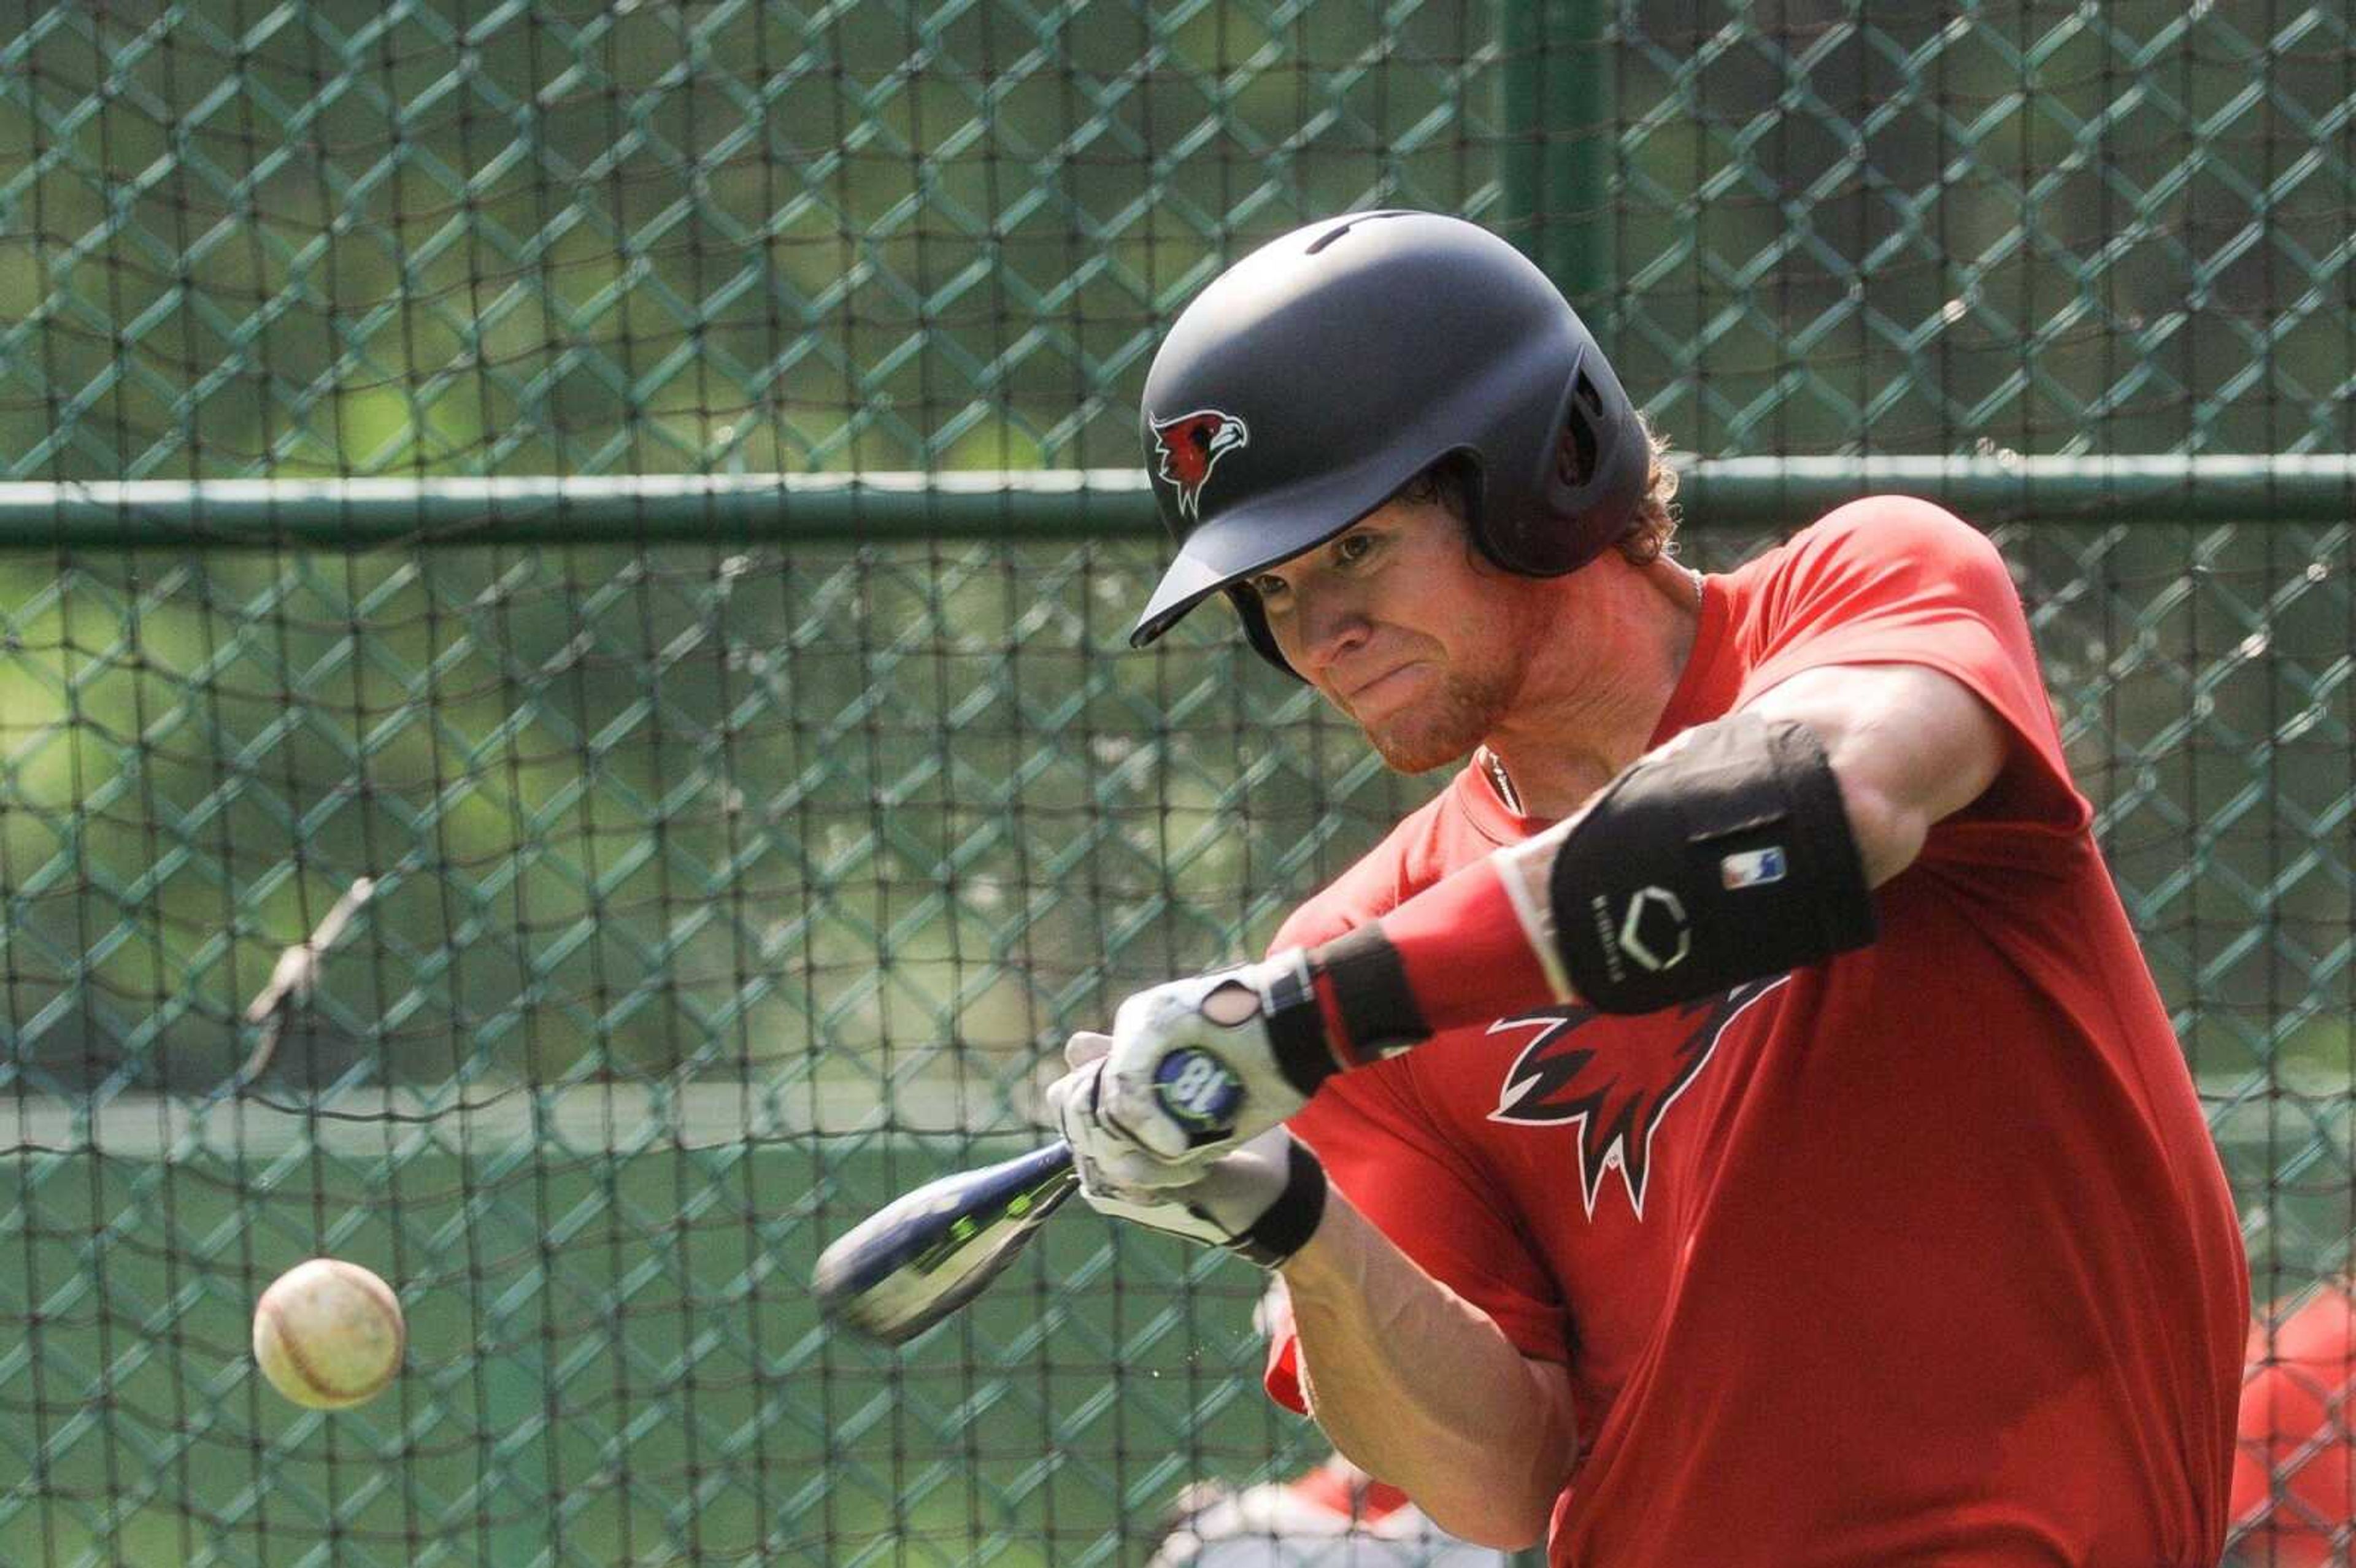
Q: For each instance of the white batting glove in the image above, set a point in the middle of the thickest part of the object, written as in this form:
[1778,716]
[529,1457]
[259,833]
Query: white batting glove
[1262,1200]
[1201,1065]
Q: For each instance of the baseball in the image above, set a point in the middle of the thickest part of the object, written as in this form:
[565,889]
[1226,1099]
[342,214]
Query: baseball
[328,1334]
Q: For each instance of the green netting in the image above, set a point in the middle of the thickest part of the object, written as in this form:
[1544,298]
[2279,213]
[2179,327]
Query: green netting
[2047,227]
[728,883]
[339,238]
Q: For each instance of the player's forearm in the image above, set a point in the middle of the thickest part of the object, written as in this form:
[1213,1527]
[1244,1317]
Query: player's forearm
[1459,953]
[1736,853]
[1423,1389]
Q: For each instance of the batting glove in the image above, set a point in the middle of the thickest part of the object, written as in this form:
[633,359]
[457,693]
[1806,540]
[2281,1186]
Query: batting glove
[1201,1065]
[1262,1199]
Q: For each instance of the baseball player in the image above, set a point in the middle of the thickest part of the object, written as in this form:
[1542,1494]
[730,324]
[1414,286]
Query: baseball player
[1333,1515]
[1733,1123]
[2294,1469]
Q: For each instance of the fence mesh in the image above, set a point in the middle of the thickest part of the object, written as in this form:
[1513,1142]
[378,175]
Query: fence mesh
[725,888]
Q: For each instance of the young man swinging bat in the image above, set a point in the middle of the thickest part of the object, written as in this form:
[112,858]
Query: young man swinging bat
[1732,1124]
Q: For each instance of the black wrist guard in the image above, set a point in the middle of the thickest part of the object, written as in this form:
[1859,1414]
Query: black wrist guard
[1292,1218]
[1728,859]
[1296,1029]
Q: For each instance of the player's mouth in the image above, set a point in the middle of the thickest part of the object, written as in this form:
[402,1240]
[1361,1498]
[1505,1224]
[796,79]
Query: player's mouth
[1389,689]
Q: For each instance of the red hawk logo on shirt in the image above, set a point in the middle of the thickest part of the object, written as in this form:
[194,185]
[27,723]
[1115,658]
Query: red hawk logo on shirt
[1617,1079]
[1190,446]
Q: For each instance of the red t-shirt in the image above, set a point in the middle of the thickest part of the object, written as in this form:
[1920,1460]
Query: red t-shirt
[1919,1255]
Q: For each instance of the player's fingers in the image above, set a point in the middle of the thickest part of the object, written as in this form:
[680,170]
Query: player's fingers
[1109,1164]
[1130,1107]
[1107,1167]
[1130,1171]
[1086,1047]
[1068,1099]
[1053,1098]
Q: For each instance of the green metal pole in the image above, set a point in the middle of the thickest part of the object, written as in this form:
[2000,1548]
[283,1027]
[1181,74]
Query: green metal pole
[1738,492]
[619,510]
[1561,138]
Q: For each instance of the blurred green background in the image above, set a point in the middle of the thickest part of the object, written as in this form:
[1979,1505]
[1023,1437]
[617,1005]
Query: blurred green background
[731,883]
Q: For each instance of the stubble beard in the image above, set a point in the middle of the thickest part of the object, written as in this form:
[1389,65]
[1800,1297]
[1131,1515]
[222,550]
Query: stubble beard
[1444,727]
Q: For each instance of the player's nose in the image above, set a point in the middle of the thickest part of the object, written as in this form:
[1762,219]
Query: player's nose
[1327,627]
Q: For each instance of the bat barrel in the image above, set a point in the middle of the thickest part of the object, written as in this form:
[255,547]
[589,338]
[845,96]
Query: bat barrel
[922,1256]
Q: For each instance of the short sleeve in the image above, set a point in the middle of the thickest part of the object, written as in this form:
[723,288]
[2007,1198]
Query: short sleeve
[1380,1150]
[1893,580]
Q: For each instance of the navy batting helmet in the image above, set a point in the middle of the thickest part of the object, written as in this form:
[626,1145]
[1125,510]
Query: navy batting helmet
[1326,370]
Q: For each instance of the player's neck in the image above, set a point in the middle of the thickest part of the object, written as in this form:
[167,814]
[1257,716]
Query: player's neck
[1592,701]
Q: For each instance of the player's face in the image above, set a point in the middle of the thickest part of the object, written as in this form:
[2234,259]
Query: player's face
[1400,624]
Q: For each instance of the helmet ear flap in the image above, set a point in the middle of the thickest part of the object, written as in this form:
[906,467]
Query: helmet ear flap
[1602,462]
[1575,454]
[1562,482]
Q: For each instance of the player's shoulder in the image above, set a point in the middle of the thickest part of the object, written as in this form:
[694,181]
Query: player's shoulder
[1875,549]
[1903,531]
[1417,852]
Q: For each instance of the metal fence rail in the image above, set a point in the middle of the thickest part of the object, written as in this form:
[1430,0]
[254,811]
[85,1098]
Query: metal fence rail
[1048,503]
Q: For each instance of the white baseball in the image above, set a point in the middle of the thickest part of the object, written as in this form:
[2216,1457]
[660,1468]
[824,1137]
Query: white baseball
[328,1334]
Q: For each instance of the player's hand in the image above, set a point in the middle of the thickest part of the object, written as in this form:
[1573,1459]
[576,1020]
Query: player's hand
[1263,1199]
[1195,1068]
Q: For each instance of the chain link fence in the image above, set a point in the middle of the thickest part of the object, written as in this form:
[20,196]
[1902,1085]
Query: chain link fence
[743,850]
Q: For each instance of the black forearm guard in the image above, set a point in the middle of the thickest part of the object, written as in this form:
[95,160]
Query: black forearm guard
[1728,859]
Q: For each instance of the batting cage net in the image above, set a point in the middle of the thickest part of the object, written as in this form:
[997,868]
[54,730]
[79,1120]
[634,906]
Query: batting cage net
[565,728]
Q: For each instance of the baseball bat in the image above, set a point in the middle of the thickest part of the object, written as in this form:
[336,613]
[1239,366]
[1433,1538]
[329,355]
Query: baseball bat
[922,1256]
[925,1254]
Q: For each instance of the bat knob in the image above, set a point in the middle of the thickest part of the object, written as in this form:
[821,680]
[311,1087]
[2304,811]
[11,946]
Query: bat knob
[1200,1092]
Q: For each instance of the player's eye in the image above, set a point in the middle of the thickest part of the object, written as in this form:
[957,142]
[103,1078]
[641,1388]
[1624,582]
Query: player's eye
[1352,548]
[1269,587]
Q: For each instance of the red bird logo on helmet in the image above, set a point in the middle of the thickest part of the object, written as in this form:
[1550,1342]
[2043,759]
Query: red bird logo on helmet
[1615,1081]
[1189,446]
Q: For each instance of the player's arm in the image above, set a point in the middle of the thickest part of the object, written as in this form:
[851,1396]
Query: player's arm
[1909,746]
[1746,847]
[1742,848]
[1408,1379]
[1422,1388]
